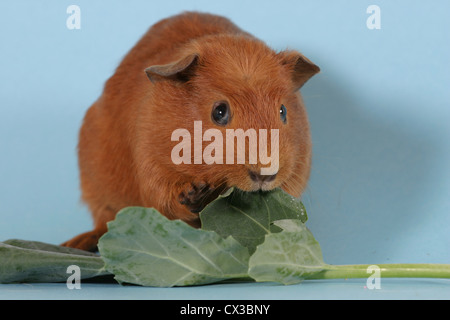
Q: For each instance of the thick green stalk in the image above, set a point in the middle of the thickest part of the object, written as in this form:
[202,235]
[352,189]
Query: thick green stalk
[400,270]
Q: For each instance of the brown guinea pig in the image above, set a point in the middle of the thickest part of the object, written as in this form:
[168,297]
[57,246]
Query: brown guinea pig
[189,70]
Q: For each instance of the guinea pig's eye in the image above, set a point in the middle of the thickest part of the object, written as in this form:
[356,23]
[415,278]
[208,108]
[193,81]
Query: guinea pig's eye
[283,113]
[221,113]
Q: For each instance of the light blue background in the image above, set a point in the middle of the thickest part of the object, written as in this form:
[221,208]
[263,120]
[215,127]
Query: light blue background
[379,111]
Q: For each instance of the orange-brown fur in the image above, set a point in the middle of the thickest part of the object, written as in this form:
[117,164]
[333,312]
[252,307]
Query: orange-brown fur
[125,140]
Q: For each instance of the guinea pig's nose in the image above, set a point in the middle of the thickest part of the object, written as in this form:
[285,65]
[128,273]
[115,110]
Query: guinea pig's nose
[261,178]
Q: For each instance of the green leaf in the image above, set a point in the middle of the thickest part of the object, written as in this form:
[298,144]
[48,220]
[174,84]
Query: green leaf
[287,257]
[143,247]
[249,216]
[33,261]
[37,245]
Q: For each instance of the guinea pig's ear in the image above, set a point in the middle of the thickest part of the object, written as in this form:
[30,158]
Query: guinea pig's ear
[302,69]
[180,70]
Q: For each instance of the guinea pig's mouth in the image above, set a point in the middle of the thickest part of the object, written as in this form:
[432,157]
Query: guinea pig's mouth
[261,182]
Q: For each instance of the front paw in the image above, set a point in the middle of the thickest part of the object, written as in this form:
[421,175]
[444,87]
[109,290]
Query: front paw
[194,196]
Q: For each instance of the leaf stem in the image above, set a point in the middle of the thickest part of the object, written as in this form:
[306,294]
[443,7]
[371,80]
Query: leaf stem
[400,270]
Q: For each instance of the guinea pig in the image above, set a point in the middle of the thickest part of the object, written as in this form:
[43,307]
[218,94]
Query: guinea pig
[188,70]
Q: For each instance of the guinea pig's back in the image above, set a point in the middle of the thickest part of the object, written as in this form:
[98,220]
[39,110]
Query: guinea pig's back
[159,45]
